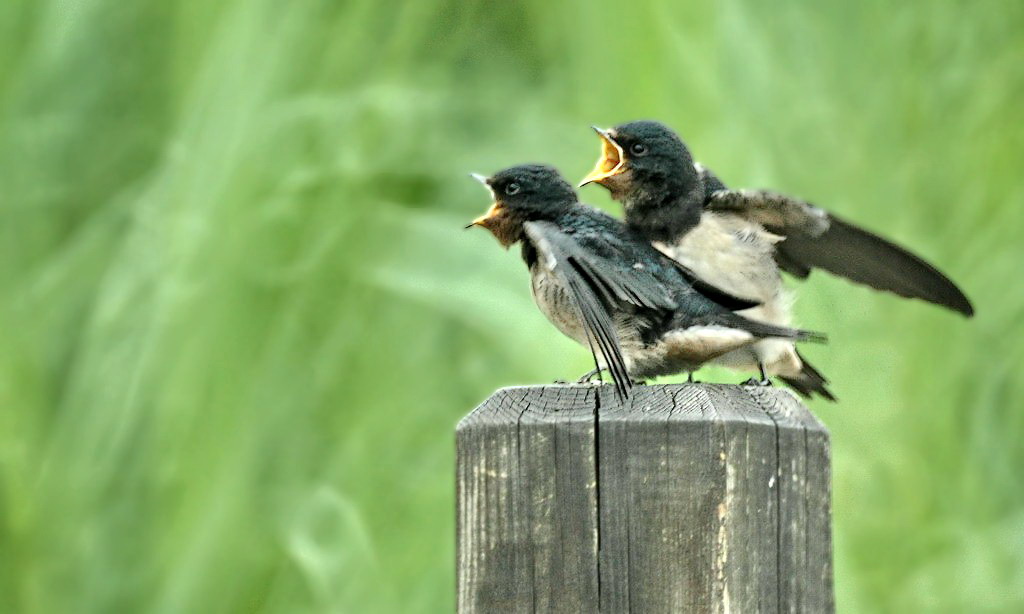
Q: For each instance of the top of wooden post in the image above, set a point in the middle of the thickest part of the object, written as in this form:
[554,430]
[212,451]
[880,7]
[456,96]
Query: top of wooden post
[686,498]
[769,405]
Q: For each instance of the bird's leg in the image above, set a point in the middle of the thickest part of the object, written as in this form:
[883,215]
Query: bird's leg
[764,381]
[689,377]
[589,375]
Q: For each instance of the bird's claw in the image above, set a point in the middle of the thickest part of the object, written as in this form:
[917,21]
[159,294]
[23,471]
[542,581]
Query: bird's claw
[587,377]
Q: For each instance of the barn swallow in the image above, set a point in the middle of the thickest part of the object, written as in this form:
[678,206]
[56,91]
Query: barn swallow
[641,313]
[740,240]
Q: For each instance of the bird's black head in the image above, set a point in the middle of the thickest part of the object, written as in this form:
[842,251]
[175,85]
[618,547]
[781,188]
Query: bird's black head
[643,164]
[523,194]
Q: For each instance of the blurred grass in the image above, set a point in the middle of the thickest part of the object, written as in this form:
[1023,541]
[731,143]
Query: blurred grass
[240,318]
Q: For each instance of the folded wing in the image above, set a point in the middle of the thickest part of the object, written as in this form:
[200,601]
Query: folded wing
[593,293]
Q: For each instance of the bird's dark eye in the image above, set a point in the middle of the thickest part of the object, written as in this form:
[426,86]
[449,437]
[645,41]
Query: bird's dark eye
[512,189]
[638,149]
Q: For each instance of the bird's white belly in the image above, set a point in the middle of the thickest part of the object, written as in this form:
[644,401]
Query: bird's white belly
[554,302]
[737,256]
[732,254]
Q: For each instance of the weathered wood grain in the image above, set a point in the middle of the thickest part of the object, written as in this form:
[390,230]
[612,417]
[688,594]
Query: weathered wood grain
[693,498]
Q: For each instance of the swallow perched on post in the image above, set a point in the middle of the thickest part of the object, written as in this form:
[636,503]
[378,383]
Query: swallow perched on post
[740,240]
[641,313]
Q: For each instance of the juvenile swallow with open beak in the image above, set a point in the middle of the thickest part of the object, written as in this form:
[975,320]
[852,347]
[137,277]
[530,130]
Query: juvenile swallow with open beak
[740,240]
[641,313]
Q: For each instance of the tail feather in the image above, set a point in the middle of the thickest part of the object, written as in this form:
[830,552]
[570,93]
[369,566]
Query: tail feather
[762,329]
[809,382]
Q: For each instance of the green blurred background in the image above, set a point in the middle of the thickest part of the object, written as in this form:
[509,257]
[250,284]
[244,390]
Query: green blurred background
[240,317]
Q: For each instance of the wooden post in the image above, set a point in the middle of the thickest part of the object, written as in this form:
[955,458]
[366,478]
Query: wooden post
[693,498]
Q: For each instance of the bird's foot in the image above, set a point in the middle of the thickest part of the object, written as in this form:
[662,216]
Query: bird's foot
[764,381]
[560,382]
[587,377]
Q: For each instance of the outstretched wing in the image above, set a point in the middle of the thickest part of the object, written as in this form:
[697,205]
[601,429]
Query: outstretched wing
[816,239]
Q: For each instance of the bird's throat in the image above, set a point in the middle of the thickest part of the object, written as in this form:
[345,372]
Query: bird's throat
[664,217]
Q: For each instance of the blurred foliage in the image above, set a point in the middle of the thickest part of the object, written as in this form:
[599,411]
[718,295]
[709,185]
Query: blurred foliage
[240,317]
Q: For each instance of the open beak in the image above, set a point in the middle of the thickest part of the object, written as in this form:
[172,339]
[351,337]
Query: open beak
[495,208]
[485,219]
[612,161]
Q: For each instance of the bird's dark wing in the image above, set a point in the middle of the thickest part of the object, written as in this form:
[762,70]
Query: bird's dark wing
[788,215]
[624,270]
[816,239]
[593,291]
